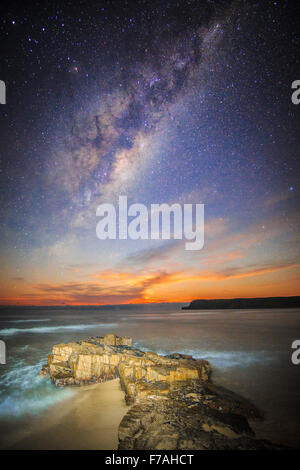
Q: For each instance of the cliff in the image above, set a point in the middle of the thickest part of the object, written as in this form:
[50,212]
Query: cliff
[175,405]
[259,302]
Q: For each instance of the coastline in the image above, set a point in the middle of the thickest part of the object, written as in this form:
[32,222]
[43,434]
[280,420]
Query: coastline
[175,404]
[89,420]
[210,407]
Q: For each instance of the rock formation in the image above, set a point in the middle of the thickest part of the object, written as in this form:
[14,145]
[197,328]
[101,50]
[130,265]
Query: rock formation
[175,405]
[231,304]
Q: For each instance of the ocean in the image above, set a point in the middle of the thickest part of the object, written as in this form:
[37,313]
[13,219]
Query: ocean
[249,350]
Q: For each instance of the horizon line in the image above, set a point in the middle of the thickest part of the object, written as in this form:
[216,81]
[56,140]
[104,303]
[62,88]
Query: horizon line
[142,303]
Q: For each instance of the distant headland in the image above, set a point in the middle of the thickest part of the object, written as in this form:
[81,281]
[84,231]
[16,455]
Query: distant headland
[258,302]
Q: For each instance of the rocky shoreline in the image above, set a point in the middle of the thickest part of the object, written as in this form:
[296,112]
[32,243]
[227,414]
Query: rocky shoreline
[246,303]
[174,403]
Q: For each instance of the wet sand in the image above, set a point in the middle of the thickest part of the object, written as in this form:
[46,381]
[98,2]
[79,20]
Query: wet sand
[88,420]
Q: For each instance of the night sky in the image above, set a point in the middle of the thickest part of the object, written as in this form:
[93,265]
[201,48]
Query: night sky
[162,101]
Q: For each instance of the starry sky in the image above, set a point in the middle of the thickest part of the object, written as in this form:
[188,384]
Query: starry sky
[165,102]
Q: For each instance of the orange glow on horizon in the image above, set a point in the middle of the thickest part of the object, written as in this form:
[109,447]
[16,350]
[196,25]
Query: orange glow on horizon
[115,288]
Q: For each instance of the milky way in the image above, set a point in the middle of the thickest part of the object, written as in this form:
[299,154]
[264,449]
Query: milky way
[104,145]
[185,101]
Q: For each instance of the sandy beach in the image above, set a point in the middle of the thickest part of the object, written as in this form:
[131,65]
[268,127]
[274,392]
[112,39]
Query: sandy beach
[88,420]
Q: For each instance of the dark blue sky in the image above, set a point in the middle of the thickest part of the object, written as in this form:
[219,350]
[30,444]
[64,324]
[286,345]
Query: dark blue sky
[164,102]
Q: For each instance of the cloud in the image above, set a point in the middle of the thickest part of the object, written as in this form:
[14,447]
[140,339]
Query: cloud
[150,255]
[276,199]
[239,272]
[112,287]
[115,287]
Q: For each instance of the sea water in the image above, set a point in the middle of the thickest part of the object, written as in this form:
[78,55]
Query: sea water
[249,350]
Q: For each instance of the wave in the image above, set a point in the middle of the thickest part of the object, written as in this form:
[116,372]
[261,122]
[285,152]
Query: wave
[23,391]
[29,320]
[55,329]
[197,313]
[226,359]
[25,347]
[220,359]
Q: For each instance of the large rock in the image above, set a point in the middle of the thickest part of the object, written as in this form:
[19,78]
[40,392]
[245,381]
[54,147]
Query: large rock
[170,425]
[103,358]
[175,403]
